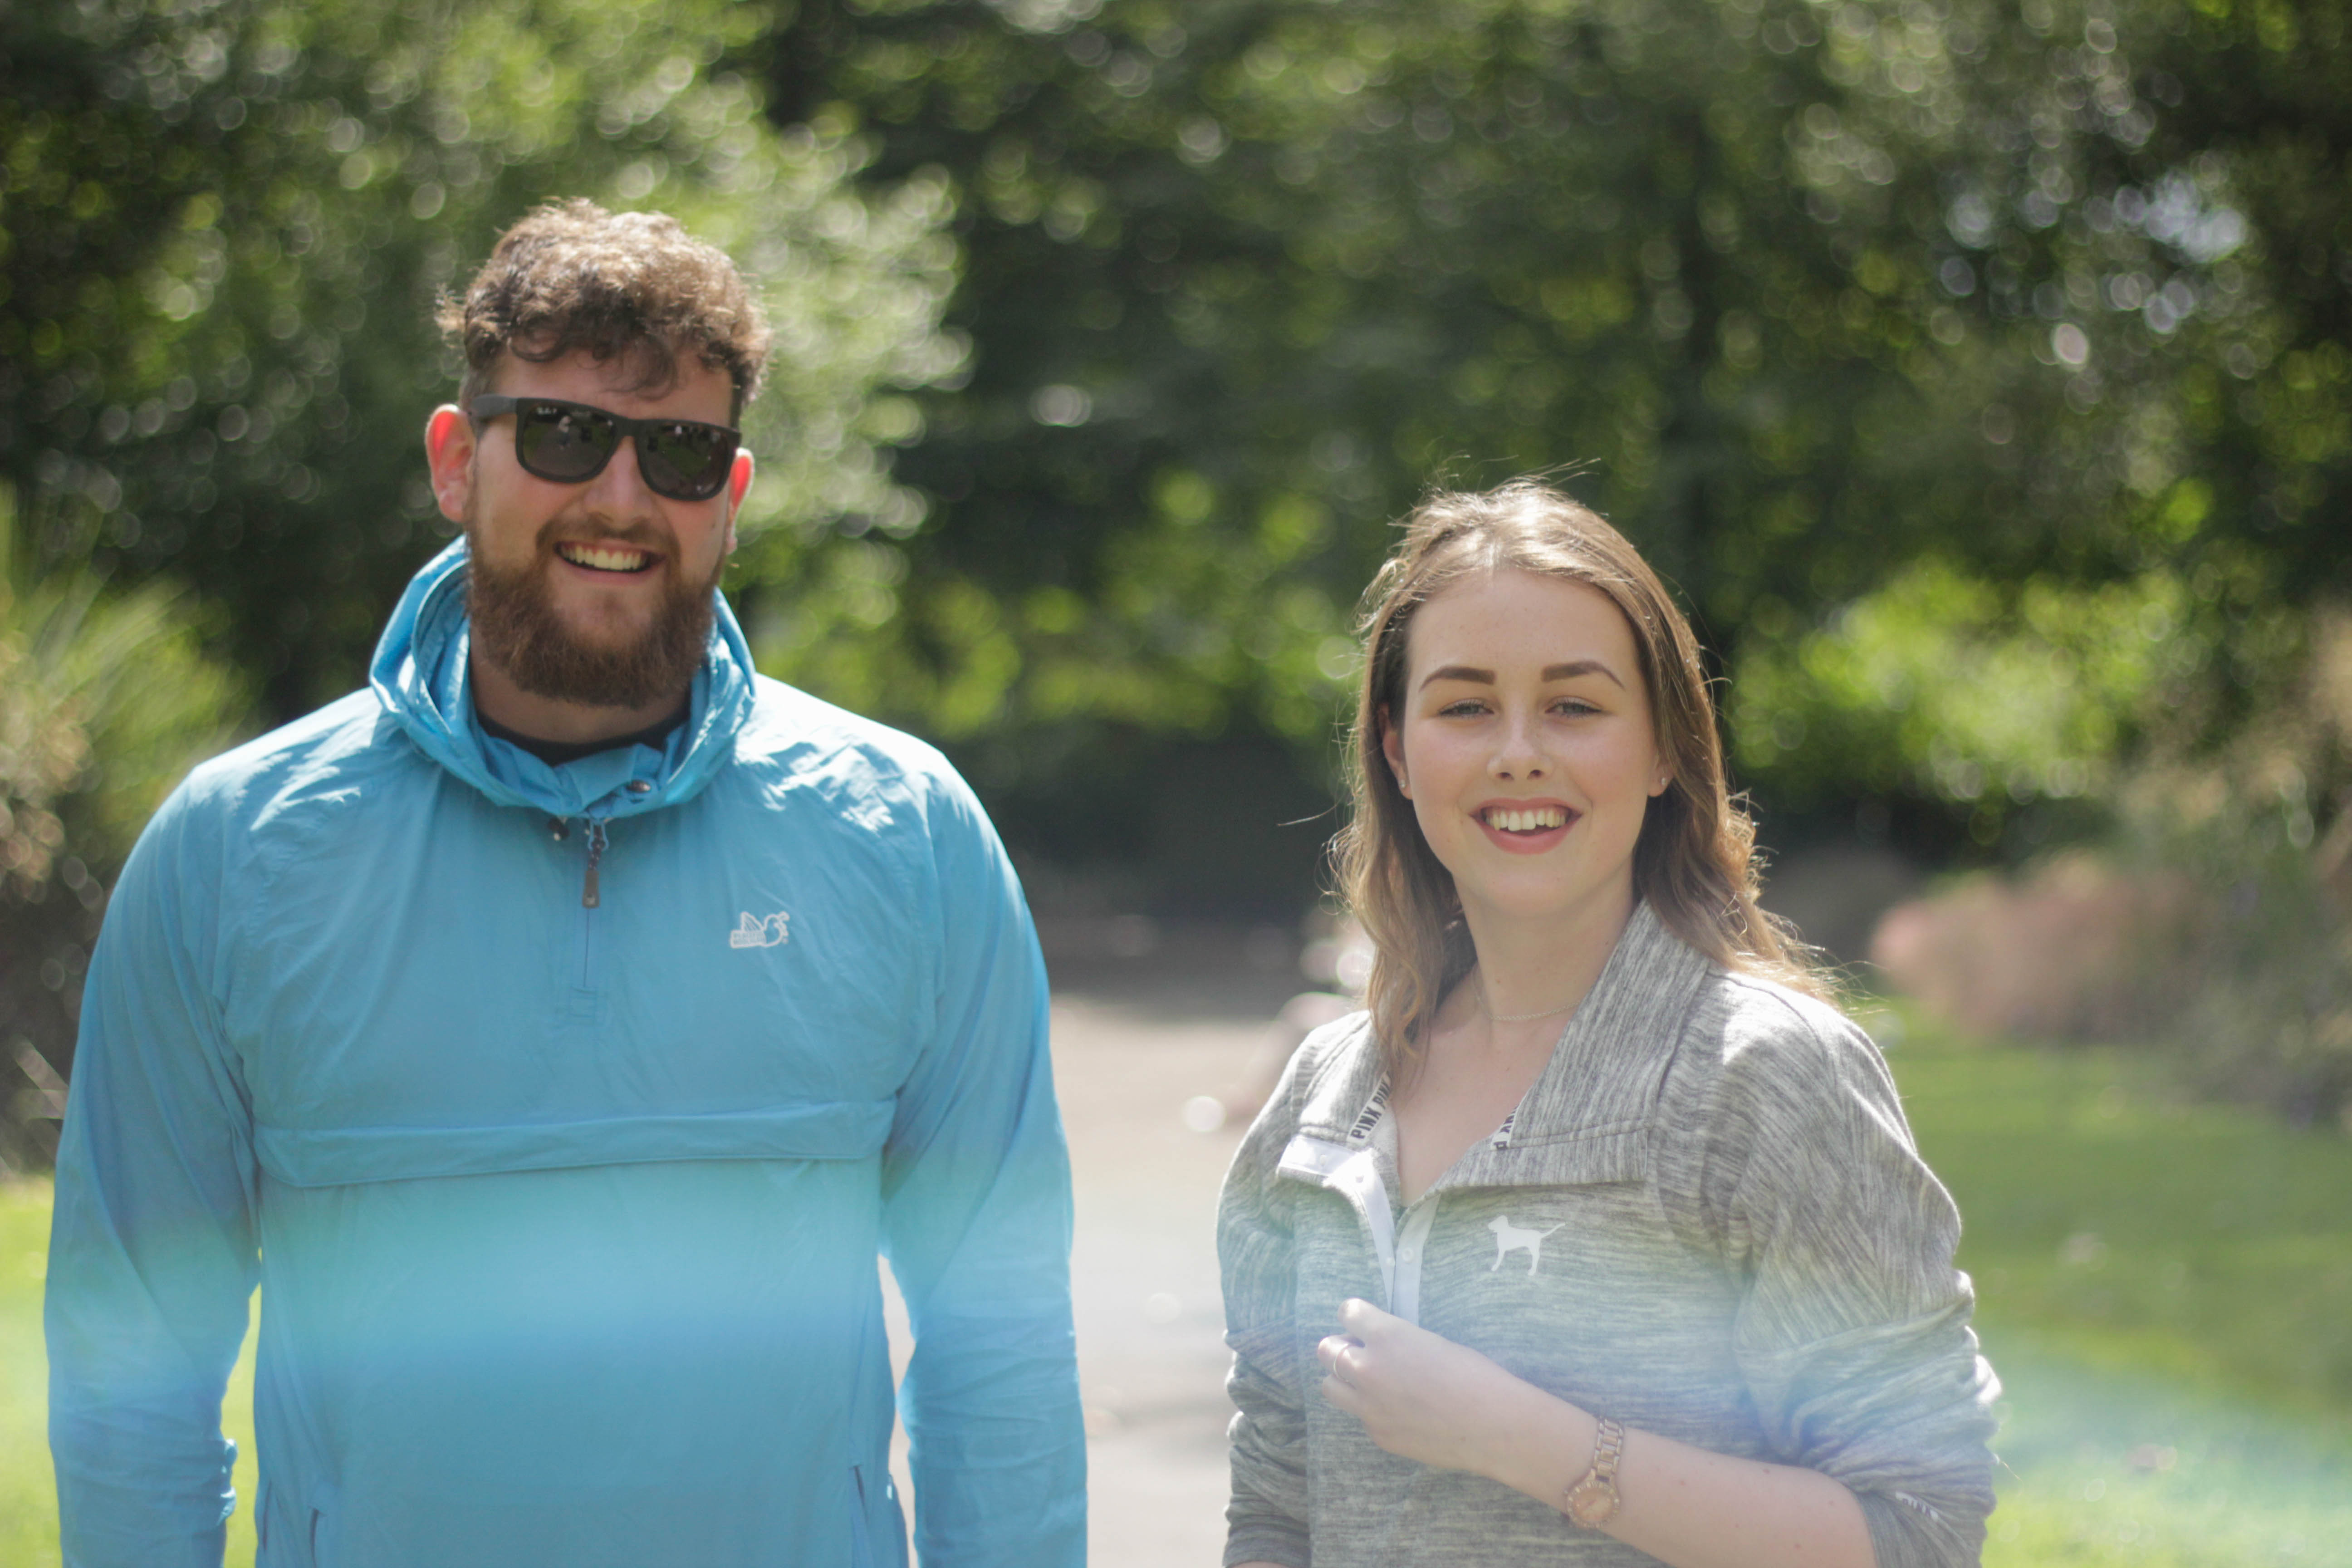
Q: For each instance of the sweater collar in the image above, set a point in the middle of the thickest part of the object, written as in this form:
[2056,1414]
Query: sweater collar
[1606,1069]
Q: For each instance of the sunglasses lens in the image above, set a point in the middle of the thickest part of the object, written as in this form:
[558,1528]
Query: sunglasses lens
[564,444]
[570,442]
[685,462]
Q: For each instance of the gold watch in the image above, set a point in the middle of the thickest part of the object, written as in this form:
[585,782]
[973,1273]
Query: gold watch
[1592,1501]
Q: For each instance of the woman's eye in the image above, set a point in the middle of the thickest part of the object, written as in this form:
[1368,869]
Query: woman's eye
[1466,708]
[1573,707]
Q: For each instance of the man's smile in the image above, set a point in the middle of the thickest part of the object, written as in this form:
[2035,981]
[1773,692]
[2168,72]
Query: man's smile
[604,556]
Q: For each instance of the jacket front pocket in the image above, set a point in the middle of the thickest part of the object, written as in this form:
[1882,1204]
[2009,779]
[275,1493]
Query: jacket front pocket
[286,1533]
[861,1537]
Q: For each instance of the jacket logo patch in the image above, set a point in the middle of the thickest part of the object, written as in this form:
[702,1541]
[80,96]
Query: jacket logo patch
[1510,1239]
[751,930]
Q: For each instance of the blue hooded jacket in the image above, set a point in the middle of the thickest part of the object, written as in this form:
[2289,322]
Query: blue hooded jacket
[559,1113]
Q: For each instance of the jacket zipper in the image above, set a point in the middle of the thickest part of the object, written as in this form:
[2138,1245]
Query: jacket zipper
[560,829]
[589,897]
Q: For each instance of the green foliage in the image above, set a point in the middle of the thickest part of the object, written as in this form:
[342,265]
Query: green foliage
[2215,923]
[226,225]
[1806,297]
[2050,296]
[2272,1021]
[105,699]
[2271,1017]
[1942,685]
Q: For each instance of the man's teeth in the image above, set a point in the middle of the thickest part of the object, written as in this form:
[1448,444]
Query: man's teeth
[605,557]
[1534,820]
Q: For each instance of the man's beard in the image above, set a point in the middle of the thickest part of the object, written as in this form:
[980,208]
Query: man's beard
[516,625]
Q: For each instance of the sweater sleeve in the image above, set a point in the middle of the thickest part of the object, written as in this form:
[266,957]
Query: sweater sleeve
[1266,1517]
[1854,1334]
[152,1250]
[977,1219]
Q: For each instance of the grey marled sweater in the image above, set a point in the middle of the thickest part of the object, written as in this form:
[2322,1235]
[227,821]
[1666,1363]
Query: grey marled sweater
[1706,1219]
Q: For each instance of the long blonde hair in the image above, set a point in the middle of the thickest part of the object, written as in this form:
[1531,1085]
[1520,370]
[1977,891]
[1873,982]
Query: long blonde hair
[1693,862]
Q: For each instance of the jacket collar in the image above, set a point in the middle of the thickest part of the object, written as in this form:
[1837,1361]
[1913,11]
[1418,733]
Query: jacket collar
[1605,1074]
[421,675]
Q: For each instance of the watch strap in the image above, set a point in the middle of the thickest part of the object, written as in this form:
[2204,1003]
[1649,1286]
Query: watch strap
[1592,1501]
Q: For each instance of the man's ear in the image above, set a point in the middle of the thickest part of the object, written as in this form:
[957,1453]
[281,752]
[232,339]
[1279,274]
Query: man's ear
[1392,748]
[449,457]
[739,485]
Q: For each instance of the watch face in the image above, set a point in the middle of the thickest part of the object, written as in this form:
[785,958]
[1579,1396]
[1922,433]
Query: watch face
[1592,1502]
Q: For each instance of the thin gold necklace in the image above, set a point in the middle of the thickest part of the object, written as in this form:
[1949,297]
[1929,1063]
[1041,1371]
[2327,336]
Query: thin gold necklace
[1494,1017]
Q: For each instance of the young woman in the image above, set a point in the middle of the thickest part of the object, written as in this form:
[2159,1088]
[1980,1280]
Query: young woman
[1600,1237]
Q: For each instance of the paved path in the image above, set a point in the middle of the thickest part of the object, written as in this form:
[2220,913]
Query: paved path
[1133,1042]
[1151,1359]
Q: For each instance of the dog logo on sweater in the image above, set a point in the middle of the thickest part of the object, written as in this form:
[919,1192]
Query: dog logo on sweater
[754,932]
[1510,1239]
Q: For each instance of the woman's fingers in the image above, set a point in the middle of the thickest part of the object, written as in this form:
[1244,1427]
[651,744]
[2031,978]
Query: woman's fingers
[1343,1397]
[1339,1388]
[1418,1393]
[1341,1357]
[1333,1349]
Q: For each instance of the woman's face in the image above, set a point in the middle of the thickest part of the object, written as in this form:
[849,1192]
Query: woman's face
[1524,743]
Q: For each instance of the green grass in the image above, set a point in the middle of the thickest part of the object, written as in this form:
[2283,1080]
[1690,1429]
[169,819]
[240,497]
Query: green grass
[2165,1291]
[29,1504]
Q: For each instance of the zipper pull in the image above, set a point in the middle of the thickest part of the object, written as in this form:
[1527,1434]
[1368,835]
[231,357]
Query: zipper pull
[588,896]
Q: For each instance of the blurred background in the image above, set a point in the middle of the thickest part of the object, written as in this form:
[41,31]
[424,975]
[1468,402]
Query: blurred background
[1976,369]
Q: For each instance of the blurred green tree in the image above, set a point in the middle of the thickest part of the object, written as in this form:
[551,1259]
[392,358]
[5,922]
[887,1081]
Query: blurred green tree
[1804,294]
[1855,316]
[105,699]
[224,226]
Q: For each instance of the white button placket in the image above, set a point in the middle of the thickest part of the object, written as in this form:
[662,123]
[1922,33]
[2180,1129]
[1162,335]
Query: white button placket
[1413,1251]
[1358,1178]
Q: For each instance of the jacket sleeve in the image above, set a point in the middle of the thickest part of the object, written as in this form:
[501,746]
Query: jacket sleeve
[977,1222]
[1266,1518]
[152,1259]
[1854,1334]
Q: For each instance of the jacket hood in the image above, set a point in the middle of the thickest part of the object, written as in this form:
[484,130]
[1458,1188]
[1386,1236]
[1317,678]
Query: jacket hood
[422,676]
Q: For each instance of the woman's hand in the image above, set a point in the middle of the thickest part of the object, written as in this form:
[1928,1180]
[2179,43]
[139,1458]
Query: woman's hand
[1426,1398]
[1421,1396]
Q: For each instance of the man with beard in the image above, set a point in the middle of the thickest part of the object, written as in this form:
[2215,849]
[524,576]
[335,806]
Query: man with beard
[555,1032]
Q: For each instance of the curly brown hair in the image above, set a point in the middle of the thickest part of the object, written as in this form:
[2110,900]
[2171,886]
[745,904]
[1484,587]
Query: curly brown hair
[1694,861]
[631,287]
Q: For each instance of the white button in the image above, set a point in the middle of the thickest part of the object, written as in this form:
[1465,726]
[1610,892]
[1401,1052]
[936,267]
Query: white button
[1406,1255]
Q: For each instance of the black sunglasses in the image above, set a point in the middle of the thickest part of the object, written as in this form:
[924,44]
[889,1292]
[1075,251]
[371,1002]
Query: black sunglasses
[570,442]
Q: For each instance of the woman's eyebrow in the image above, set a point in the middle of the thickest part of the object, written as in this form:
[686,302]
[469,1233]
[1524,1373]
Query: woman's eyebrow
[1568,671]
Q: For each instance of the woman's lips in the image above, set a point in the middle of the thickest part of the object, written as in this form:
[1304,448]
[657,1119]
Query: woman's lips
[1528,827]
